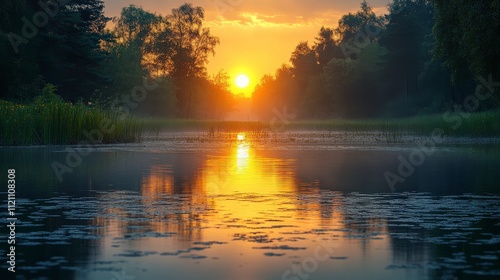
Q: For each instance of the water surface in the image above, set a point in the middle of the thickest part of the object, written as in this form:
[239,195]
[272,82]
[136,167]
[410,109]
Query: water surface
[243,210]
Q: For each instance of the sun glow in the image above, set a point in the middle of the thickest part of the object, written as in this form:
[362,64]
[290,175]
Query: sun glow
[242,81]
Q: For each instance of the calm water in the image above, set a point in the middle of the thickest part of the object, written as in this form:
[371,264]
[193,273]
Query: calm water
[243,212]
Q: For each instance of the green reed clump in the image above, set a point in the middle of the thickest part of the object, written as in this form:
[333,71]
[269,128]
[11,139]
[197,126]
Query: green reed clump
[48,120]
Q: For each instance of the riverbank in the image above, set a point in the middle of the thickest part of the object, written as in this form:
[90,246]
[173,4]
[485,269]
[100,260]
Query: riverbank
[50,121]
[483,124]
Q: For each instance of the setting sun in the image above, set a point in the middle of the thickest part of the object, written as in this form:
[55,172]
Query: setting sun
[242,81]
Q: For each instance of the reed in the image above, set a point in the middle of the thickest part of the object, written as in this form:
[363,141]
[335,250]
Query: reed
[50,121]
[483,124]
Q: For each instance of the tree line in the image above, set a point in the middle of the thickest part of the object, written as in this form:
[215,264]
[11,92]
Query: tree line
[423,57]
[65,43]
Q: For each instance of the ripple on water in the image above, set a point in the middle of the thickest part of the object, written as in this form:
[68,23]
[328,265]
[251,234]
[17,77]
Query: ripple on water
[418,218]
[272,254]
[136,253]
[282,247]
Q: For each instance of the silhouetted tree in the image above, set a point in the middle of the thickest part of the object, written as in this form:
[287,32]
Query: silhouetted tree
[325,47]
[63,50]
[468,37]
[192,44]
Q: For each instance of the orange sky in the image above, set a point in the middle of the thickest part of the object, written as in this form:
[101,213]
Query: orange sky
[257,36]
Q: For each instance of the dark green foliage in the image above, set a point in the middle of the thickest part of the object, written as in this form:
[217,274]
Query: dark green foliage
[398,65]
[72,50]
[52,43]
[372,66]
[415,83]
[173,48]
[324,81]
[19,71]
[192,44]
[50,120]
[468,37]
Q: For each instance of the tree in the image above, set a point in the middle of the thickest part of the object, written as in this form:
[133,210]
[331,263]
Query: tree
[303,58]
[71,56]
[150,34]
[277,93]
[468,36]
[192,44]
[174,47]
[134,26]
[221,97]
[406,39]
[304,64]
[363,24]
[19,72]
[325,47]
[64,50]
[125,69]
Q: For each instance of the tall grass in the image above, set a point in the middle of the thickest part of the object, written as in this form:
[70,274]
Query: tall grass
[483,124]
[49,120]
[212,128]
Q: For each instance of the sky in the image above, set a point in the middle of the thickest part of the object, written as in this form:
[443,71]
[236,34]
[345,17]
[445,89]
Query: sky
[256,36]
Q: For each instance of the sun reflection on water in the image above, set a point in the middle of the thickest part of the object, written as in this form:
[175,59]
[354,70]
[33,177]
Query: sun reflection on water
[241,198]
[241,136]
[242,156]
